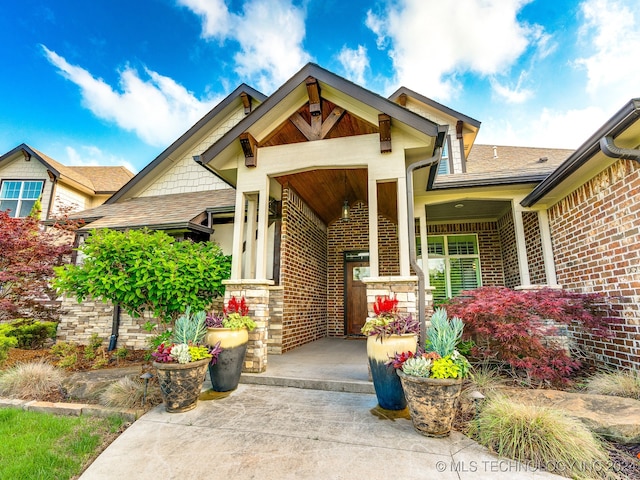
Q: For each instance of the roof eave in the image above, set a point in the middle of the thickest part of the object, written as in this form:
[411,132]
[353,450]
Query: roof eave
[185,137]
[490,182]
[374,100]
[617,124]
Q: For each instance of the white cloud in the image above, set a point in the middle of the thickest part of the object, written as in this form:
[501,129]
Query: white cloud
[517,94]
[270,34]
[355,63]
[157,109]
[216,19]
[90,155]
[548,128]
[611,30]
[434,41]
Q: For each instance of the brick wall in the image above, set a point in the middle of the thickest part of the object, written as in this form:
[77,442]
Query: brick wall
[596,238]
[507,232]
[303,273]
[489,247]
[352,236]
[533,240]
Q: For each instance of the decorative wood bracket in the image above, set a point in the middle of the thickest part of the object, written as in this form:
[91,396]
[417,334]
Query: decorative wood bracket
[313,90]
[249,144]
[26,155]
[247,101]
[459,125]
[402,99]
[318,129]
[384,122]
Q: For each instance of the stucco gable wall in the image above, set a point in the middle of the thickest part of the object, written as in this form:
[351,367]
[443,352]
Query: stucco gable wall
[185,175]
[20,169]
[440,120]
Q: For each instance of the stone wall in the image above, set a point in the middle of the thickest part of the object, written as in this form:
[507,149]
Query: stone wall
[596,238]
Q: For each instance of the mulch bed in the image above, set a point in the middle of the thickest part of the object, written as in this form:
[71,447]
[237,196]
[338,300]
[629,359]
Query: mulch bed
[18,355]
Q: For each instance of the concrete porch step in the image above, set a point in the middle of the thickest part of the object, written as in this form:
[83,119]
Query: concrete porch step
[352,386]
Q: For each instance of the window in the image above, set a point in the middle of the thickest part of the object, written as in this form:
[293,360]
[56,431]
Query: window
[454,265]
[19,196]
[443,167]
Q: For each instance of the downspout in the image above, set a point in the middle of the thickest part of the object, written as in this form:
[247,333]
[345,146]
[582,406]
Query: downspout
[611,150]
[413,259]
[115,327]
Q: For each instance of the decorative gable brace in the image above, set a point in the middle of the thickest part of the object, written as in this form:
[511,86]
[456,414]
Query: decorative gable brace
[459,125]
[313,90]
[384,122]
[249,145]
[246,102]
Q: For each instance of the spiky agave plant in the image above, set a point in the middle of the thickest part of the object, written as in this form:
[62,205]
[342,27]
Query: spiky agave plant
[190,328]
[444,334]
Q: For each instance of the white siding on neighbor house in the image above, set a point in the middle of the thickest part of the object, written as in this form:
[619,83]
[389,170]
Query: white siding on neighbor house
[20,169]
[420,109]
[186,175]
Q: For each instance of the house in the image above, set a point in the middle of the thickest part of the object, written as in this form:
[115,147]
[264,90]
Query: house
[28,175]
[328,195]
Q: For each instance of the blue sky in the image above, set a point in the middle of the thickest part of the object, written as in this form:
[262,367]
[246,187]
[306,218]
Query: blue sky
[116,81]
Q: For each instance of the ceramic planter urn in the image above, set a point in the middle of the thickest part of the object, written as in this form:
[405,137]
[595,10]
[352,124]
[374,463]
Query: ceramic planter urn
[432,402]
[181,384]
[385,381]
[225,374]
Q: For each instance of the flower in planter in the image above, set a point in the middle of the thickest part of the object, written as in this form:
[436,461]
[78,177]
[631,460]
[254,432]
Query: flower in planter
[186,338]
[440,359]
[388,321]
[234,316]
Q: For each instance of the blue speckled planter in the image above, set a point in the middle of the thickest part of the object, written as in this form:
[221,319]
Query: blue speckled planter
[385,381]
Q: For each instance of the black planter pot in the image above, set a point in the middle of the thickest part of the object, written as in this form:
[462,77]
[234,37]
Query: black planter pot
[225,374]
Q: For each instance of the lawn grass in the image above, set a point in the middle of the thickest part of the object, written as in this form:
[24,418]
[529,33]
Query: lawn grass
[43,446]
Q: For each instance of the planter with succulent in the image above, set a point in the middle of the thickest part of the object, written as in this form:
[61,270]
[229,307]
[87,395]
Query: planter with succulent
[181,364]
[231,332]
[432,379]
[388,333]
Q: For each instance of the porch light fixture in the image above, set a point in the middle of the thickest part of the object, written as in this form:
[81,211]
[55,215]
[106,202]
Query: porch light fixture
[345,210]
[345,205]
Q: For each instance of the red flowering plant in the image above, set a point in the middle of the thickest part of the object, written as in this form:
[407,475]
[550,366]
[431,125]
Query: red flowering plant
[235,315]
[388,321]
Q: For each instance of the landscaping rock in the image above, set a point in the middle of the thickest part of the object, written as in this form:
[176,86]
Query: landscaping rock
[615,418]
[89,385]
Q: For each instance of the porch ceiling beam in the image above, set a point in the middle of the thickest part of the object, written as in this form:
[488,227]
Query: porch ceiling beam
[246,102]
[249,147]
[313,90]
[384,122]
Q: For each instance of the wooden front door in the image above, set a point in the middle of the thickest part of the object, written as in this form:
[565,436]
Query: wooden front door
[355,296]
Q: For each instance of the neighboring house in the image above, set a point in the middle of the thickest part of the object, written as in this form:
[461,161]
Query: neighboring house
[328,195]
[27,175]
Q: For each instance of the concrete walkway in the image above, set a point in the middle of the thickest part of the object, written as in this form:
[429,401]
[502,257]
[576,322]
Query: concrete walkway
[273,432]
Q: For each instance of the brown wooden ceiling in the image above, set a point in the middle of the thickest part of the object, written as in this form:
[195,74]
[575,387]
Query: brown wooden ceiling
[326,190]
[347,126]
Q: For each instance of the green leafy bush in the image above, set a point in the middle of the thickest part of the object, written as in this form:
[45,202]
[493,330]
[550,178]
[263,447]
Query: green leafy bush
[29,333]
[5,344]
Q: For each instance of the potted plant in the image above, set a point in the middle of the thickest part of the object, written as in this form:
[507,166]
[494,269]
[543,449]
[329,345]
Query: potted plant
[181,364]
[231,332]
[432,379]
[387,334]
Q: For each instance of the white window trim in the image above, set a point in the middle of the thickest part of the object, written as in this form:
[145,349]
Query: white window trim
[447,258]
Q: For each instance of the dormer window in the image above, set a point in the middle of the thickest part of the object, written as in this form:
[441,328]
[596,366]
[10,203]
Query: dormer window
[19,196]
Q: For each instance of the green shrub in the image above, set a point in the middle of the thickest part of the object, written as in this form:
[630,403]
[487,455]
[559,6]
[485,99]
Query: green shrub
[5,344]
[541,437]
[29,333]
[67,354]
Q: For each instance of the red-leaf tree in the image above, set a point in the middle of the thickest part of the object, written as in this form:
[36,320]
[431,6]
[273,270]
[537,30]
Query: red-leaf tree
[512,326]
[28,254]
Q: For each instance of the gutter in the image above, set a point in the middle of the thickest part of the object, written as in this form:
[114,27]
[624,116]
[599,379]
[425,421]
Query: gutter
[413,260]
[610,149]
[624,118]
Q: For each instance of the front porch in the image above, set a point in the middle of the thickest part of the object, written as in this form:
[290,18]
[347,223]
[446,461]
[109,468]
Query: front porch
[331,364]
